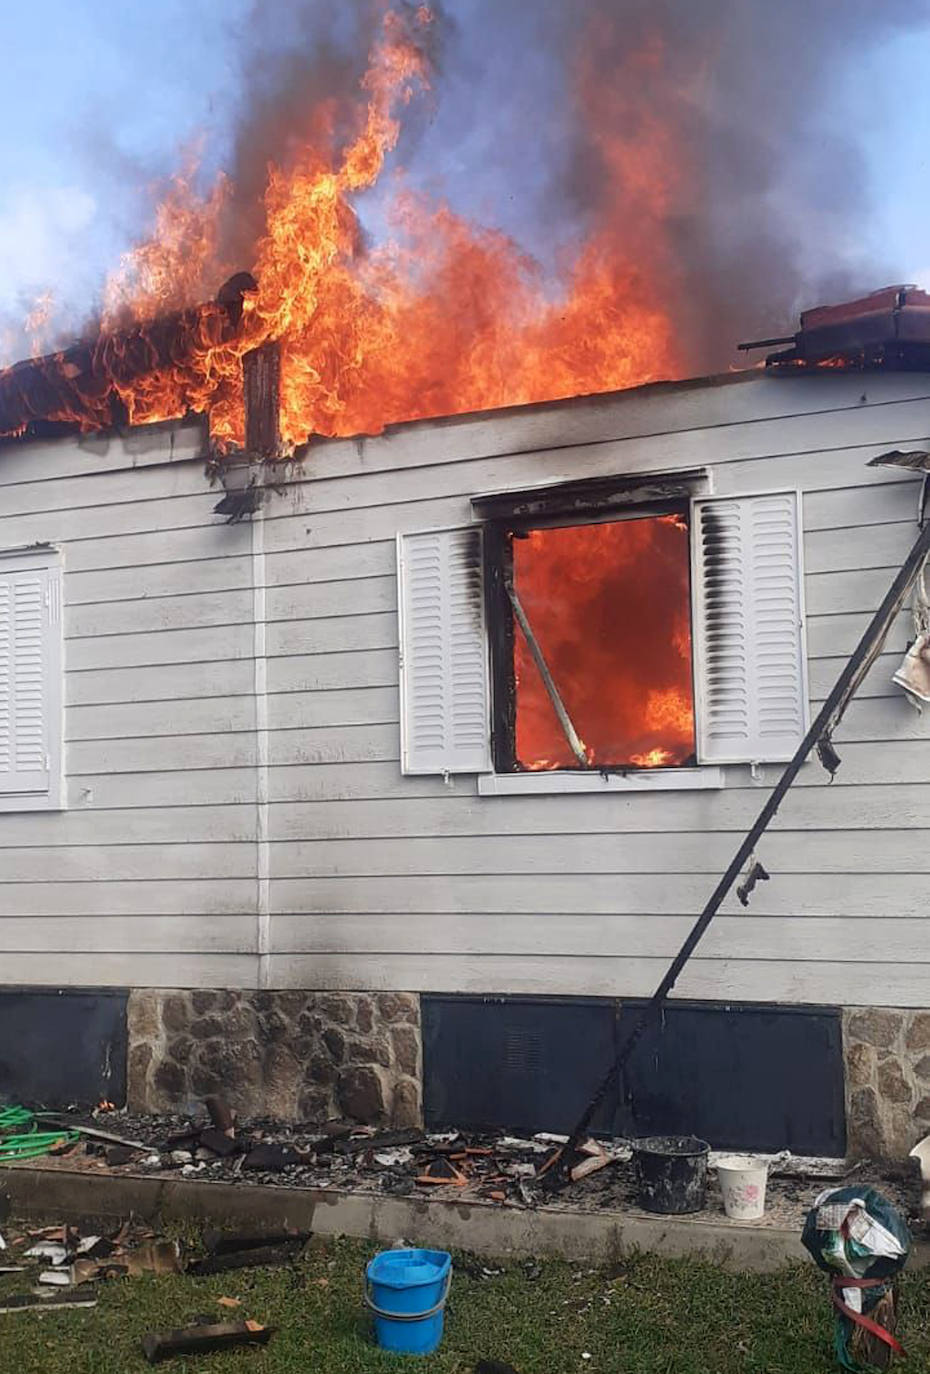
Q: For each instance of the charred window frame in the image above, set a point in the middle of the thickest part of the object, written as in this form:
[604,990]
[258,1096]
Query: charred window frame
[511,515]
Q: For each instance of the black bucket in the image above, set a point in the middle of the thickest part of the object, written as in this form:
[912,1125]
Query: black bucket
[672,1172]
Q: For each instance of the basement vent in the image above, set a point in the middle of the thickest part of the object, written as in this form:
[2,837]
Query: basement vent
[522,1052]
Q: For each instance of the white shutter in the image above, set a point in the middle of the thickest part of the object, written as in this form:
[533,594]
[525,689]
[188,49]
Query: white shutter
[748,641]
[30,687]
[444,708]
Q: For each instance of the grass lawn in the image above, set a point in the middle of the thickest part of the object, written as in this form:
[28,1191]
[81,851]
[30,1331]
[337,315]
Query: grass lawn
[645,1315]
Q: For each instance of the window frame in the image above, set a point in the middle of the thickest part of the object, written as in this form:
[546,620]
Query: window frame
[50,559]
[498,568]
[598,499]
[584,501]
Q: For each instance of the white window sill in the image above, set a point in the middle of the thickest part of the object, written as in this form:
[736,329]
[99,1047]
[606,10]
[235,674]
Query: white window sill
[31,801]
[645,780]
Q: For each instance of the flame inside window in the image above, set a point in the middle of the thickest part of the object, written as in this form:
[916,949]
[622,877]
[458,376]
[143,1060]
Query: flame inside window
[609,606]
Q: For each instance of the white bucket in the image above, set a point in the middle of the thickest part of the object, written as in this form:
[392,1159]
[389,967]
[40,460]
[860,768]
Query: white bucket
[742,1182]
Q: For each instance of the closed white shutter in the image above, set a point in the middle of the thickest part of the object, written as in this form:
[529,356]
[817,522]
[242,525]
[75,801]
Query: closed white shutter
[30,686]
[748,641]
[443,653]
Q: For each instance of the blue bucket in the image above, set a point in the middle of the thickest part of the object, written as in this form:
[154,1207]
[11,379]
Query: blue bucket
[407,1291]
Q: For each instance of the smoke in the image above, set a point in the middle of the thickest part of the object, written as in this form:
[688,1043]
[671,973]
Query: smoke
[698,143]
[708,143]
[695,152]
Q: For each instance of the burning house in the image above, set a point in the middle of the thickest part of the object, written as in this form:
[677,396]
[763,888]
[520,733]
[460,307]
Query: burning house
[373,726]
[243,850]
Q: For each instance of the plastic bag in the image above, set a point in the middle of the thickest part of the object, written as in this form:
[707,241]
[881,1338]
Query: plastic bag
[856,1233]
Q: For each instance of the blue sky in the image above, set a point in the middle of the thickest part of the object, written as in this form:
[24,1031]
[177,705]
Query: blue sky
[99,96]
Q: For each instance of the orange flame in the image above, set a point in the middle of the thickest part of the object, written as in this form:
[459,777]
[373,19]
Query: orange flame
[450,318]
[609,605]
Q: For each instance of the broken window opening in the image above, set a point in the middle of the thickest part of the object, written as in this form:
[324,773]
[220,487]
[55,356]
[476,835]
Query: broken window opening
[590,627]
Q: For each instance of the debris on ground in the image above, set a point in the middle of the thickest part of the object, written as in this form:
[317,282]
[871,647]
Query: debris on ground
[203,1339]
[66,1268]
[232,1242]
[265,1257]
[221,1114]
[88,1128]
[51,1302]
[67,1259]
[490,1167]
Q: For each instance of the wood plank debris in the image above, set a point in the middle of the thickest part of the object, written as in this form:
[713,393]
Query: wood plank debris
[596,1158]
[264,1257]
[221,1114]
[203,1340]
[218,1142]
[120,1154]
[27,1302]
[232,1242]
[62,1119]
[271,1158]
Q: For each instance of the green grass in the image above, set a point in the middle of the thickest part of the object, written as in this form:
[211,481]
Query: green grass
[645,1315]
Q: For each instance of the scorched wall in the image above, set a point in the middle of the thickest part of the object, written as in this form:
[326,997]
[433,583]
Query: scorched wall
[216,837]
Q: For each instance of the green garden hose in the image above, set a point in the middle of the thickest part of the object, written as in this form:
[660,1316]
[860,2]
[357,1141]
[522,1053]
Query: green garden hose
[34,1144]
[12,1118]
[19,1138]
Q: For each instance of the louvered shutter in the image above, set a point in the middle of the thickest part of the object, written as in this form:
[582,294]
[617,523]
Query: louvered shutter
[749,649]
[30,666]
[443,653]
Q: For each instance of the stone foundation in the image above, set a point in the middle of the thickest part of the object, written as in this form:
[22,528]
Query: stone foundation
[313,1056]
[297,1056]
[887,1058]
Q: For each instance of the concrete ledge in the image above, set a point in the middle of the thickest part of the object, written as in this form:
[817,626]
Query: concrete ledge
[58,1194]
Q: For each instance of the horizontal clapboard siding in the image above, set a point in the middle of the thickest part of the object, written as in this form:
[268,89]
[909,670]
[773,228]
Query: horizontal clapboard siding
[150,876]
[195,933]
[817,807]
[166,682]
[634,894]
[537,857]
[880,941]
[392,881]
[787,980]
[130,968]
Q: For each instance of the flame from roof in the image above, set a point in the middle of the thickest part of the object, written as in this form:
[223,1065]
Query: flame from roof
[447,318]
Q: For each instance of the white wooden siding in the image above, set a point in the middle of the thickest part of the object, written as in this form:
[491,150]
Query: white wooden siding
[386,881]
[150,877]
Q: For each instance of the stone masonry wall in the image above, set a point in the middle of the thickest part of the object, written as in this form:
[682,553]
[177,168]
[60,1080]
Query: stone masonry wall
[297,1056]
[887,1059]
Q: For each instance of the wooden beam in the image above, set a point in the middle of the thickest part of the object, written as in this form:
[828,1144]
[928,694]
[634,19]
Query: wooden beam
[261,382]
[203,1340]
[558,705]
